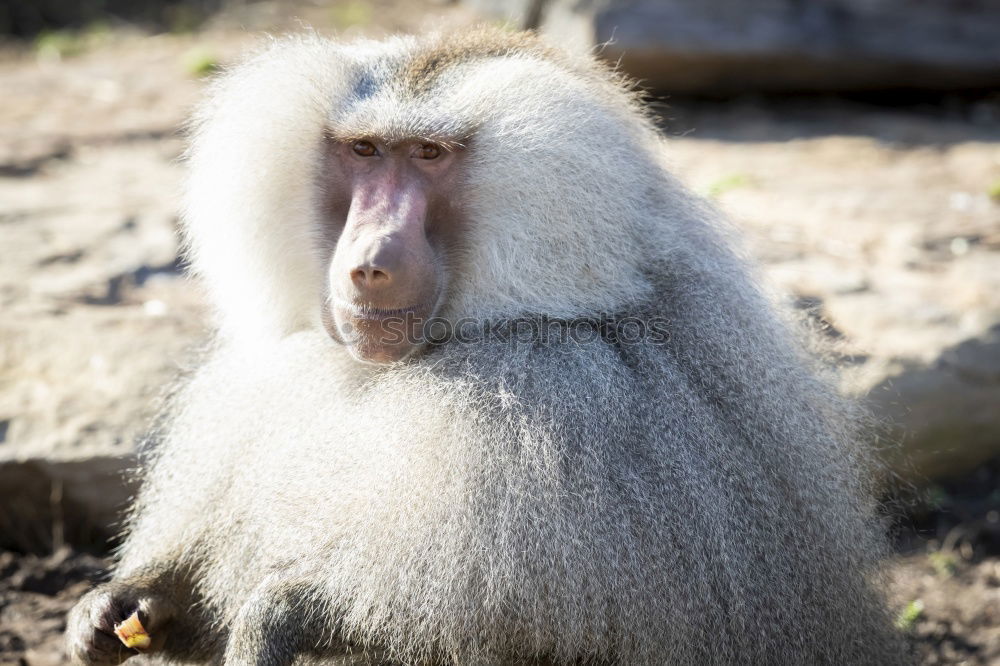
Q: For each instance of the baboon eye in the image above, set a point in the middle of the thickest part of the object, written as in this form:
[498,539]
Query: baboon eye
[365,148]
[428,151]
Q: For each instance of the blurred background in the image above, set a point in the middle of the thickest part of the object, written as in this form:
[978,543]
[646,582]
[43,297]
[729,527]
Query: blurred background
[855,142]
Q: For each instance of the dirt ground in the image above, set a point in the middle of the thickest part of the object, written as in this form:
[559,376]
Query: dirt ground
[945,579]
[96,315]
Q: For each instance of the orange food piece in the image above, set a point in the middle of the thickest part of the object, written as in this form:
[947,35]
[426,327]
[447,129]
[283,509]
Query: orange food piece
[131,632]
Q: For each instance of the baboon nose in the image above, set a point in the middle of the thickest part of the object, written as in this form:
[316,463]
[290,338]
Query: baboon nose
[369,277]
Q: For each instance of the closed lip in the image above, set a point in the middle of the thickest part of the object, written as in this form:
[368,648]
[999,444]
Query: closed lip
[367,311]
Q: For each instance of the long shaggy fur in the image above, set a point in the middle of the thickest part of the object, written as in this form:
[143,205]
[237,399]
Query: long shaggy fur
[698,501]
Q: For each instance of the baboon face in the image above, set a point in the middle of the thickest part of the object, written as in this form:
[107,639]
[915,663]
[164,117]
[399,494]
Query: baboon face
[390,215]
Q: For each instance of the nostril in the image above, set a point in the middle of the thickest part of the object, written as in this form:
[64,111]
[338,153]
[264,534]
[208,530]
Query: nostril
[366,276]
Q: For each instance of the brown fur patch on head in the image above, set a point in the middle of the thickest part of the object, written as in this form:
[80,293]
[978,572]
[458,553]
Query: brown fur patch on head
[445,51]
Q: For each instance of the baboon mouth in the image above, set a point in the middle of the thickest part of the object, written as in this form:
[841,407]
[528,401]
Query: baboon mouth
[368,312]
[354,311]
[377,334]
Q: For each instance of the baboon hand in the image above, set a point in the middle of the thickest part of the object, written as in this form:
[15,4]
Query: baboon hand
[90,633]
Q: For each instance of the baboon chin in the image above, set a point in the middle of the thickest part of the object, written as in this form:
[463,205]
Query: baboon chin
[490,387]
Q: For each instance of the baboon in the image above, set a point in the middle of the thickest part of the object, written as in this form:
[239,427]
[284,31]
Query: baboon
[618,451]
